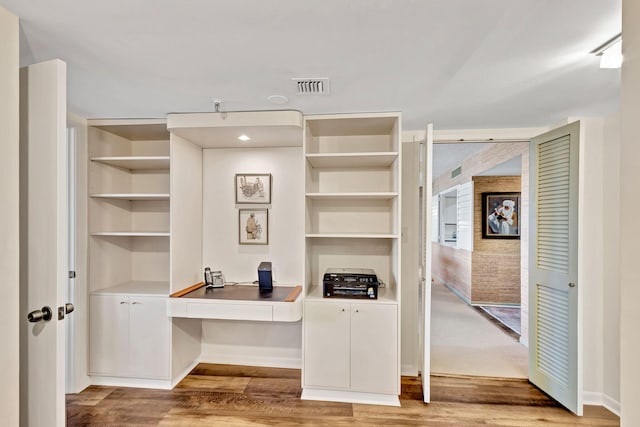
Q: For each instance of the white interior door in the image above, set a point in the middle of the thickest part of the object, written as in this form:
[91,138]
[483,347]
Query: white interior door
[554,338]
[9,219]
[43,235]
[425,256]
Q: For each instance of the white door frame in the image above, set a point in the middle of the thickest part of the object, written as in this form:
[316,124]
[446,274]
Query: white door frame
[426,179]
[10,316]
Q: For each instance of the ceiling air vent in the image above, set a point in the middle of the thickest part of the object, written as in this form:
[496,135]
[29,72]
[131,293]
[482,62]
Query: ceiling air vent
[312,86]
[456,172]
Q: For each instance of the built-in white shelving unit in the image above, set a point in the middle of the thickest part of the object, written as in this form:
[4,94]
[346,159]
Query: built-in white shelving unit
[135,162]
[129,242]
[131,196]
[352,197]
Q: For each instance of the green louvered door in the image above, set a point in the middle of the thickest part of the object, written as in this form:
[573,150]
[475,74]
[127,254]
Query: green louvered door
[554,364]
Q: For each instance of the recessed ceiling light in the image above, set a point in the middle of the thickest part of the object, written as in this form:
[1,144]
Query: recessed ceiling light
[244,137]
[278,99]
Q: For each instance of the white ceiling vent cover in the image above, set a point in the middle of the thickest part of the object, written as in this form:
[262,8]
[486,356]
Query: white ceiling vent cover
[312,86]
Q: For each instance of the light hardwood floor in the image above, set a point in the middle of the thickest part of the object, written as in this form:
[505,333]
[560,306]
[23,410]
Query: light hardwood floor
[227,395]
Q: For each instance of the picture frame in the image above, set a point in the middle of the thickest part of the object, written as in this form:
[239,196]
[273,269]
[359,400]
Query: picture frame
[253,226]
[501,215]
[253,188]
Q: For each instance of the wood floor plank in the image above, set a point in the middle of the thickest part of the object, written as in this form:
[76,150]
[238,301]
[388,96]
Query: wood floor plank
[224,395]
[244,371]
[228,384]
[91,396]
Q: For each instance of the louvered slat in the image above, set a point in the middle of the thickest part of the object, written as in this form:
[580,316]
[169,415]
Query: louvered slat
[553,332]
[552,197]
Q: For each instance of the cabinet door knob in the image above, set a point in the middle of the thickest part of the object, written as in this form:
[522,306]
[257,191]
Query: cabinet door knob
[136,302]
[357,311]
[343,309]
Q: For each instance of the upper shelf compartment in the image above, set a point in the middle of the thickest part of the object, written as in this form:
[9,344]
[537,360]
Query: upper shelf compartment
[221,130]
[135,162]
[359,135]
[353,160]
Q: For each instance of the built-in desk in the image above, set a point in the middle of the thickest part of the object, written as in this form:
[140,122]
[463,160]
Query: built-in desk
[237,302]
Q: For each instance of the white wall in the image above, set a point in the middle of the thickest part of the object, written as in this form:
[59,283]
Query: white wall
[590,254]
[611,267]
[267,344]
[9,218]
[629,208]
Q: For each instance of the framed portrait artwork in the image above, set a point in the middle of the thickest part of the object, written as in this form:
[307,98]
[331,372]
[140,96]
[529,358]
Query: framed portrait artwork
[500,215]
[253,188]
[253,226]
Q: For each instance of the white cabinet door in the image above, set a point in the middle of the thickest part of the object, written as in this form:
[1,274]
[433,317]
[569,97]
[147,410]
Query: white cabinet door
[149,338]
[374,348]
[109,336]
[326,345]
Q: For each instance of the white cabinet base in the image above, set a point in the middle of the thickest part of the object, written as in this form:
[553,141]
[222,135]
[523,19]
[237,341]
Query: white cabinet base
[131,382]
[350,397]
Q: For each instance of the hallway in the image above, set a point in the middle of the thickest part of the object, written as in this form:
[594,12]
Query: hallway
[463,342]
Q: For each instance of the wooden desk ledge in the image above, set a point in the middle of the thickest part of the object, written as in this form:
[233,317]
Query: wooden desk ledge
[186,290]
[237,302]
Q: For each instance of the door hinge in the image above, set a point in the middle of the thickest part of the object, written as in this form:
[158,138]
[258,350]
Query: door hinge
[72,275]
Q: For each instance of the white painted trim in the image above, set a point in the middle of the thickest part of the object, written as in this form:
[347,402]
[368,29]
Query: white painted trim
[270,362]
[454,290]
[592,398]
[600,399]
[350,397]
[485,134]
[611,404]
[131,382]
[412,135]
[409,370]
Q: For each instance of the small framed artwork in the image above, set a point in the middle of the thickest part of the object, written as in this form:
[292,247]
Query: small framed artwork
[253,188]
[500,215]
[253,226]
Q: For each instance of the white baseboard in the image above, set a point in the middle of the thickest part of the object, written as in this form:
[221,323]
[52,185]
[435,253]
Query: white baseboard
[611,404]
[457,293]
[409,370]
[592,398]
[349,397]
[131,382]
[266,361]
[601,399]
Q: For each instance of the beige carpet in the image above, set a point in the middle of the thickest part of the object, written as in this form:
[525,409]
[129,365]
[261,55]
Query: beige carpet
[463,342]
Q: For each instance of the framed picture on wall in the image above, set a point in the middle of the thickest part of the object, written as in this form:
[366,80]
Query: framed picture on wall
[253,188]
[500,215]
[253,226]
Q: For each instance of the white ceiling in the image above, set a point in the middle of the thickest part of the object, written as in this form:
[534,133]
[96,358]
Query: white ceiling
[456,63]
[447,157]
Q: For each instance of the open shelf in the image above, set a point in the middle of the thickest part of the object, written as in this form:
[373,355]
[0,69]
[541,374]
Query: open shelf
[352,235]
[351,196]
[135,162]
[137,287]
[132,233]
[385,295]
[352,160]
[132,196]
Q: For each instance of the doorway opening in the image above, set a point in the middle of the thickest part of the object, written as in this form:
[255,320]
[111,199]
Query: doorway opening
[479,275]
